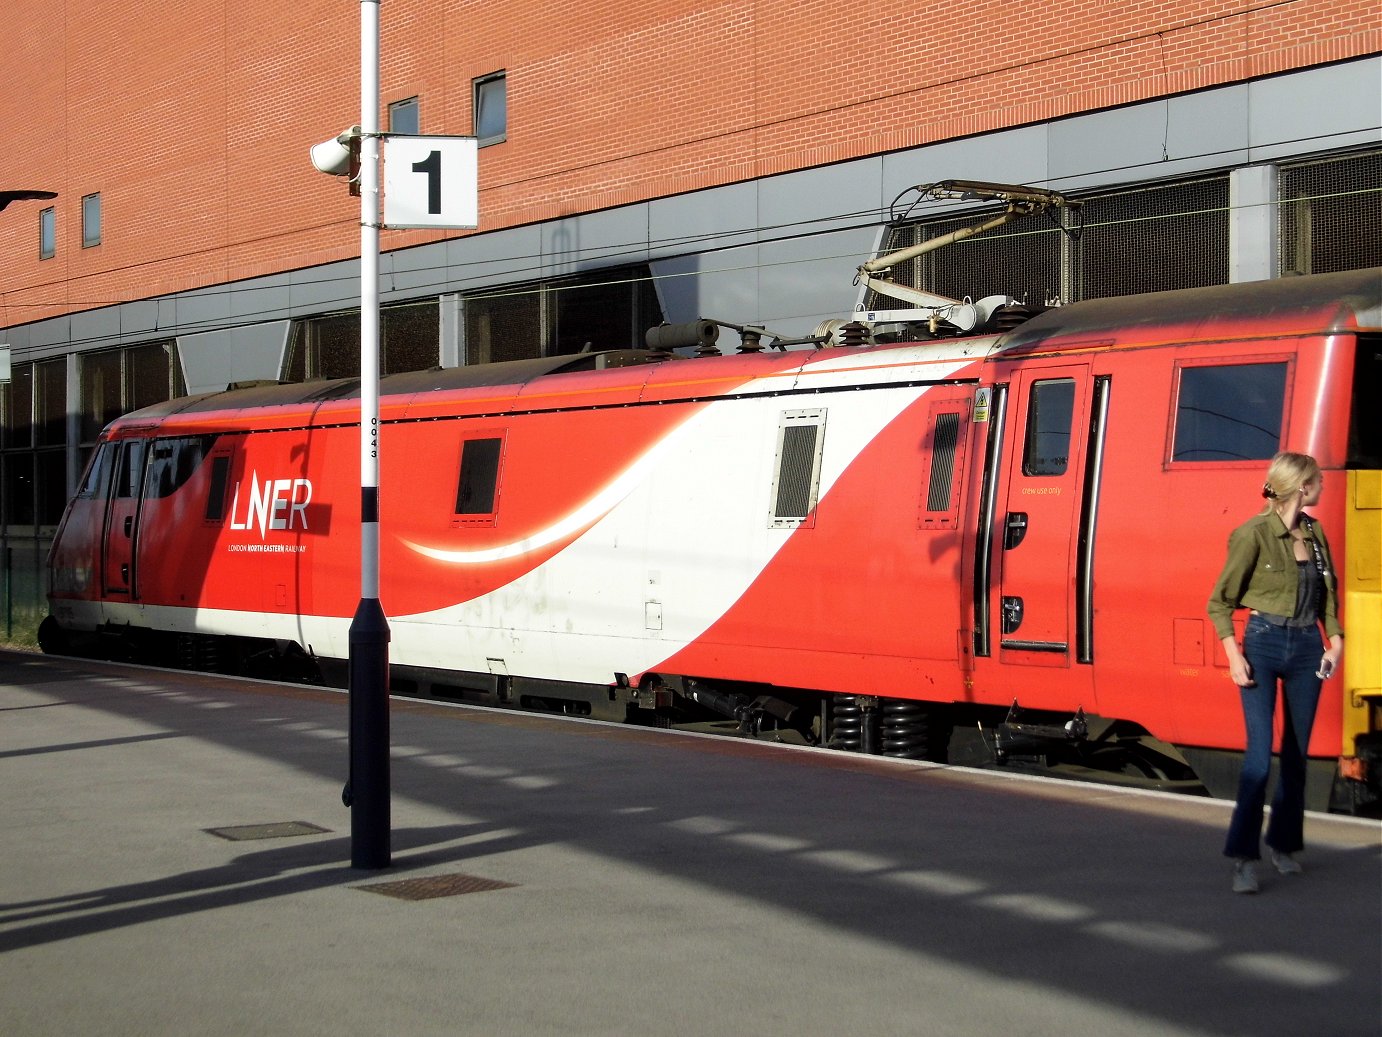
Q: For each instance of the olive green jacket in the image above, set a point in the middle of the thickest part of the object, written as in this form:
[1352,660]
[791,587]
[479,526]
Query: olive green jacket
[1261,574]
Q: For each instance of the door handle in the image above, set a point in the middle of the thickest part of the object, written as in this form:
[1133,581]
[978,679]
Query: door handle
[129,525]
[1012,614]
[1015,529]
[125,575]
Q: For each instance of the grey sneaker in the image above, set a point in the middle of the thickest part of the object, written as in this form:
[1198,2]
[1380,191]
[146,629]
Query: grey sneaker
[1244,876]
[1286,864]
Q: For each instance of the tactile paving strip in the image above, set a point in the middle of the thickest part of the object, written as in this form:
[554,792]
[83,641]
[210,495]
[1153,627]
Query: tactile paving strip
[435,886]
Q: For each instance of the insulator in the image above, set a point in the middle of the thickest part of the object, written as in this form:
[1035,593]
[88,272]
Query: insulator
[854,334]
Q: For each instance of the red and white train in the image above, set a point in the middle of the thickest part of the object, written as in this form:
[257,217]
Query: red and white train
[880,547]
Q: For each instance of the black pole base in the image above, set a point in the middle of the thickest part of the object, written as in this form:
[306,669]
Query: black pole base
[367,793]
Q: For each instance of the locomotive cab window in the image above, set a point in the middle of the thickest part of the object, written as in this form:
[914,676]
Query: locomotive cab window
[129,470]
[1229,412]
[1050,411]
[797,473]
[173,462]
[216,492]
[477,489]
[97,478]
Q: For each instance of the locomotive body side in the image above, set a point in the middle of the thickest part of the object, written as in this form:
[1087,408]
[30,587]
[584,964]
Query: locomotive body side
[962,524]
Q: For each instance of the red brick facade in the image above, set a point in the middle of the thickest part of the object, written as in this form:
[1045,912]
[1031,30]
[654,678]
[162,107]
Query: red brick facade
[193,119]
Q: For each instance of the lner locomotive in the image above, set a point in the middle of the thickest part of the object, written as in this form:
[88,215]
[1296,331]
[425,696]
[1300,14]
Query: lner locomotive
[988,540]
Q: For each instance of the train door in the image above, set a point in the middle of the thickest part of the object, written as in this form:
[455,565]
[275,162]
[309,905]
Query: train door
[122,516]
[1039,518]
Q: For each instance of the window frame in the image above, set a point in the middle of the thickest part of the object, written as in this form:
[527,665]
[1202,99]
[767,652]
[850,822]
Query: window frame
[91,219]
[1287,360]
[479,88]
[408,104]
[480,518]
[47,233]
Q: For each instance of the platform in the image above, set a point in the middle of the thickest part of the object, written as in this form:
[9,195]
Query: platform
[177,860]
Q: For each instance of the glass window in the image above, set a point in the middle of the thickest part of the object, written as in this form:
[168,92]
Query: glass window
[1229,413]
[50,467]
[17,502]
[91,220]
[50,398]
[97,477]
[491,108]
[148,375]
[1050,411]
[19,425]
[47,233]
[405,117]
[216,494]
[479,482]
[173,462]
[130,469]
[101,396]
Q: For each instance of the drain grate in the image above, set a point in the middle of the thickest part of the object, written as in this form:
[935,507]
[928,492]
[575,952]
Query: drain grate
[272,830]
[435,886]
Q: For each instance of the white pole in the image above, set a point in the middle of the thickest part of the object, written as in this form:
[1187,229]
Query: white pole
[367,794]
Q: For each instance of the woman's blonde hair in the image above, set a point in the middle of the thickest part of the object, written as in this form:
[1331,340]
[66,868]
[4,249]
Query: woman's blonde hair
[1286,474]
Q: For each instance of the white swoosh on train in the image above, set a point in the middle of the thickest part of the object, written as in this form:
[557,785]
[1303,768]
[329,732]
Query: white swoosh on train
[573,522]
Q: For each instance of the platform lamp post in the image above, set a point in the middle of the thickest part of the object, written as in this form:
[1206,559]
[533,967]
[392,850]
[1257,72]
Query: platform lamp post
[430,182]
[355,152]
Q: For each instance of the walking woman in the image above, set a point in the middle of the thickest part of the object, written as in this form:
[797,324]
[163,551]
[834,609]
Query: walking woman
[1279,568]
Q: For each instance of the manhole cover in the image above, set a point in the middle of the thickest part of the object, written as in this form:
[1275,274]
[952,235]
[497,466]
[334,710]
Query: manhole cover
[272,830]
[435,886]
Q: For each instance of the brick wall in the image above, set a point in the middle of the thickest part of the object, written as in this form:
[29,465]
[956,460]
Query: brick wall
[193,118]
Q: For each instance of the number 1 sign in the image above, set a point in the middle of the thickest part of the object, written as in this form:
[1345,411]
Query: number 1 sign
[431,182]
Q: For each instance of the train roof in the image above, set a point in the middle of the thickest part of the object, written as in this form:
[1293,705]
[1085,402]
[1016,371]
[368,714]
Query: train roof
[250,395]
[1318,304]
[1347,301]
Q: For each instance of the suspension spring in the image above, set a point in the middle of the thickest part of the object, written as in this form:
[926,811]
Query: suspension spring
[847,724]
[906,729]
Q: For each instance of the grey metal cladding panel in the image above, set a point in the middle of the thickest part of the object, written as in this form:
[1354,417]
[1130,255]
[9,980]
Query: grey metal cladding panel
[720,285]
[204,309]
[1012,157]
[1166,138]
[96,329]
[1320,108]
[1209,128]
[263,299]
[321,289]
[613,237]
[807,280]
[500,257]
[1084,151]
[46,338]
[703,220]
[139,320]
[825,198]
[18,339]
[410,273]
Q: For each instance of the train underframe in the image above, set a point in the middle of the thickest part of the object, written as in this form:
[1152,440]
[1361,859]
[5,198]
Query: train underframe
[1072,746]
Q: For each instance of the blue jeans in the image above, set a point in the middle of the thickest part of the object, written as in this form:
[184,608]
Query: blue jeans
[1290,655]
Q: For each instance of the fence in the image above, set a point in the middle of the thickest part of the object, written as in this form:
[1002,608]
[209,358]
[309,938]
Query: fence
[24,588]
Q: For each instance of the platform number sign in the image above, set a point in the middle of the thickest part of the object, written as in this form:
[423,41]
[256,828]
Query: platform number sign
[431,182]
